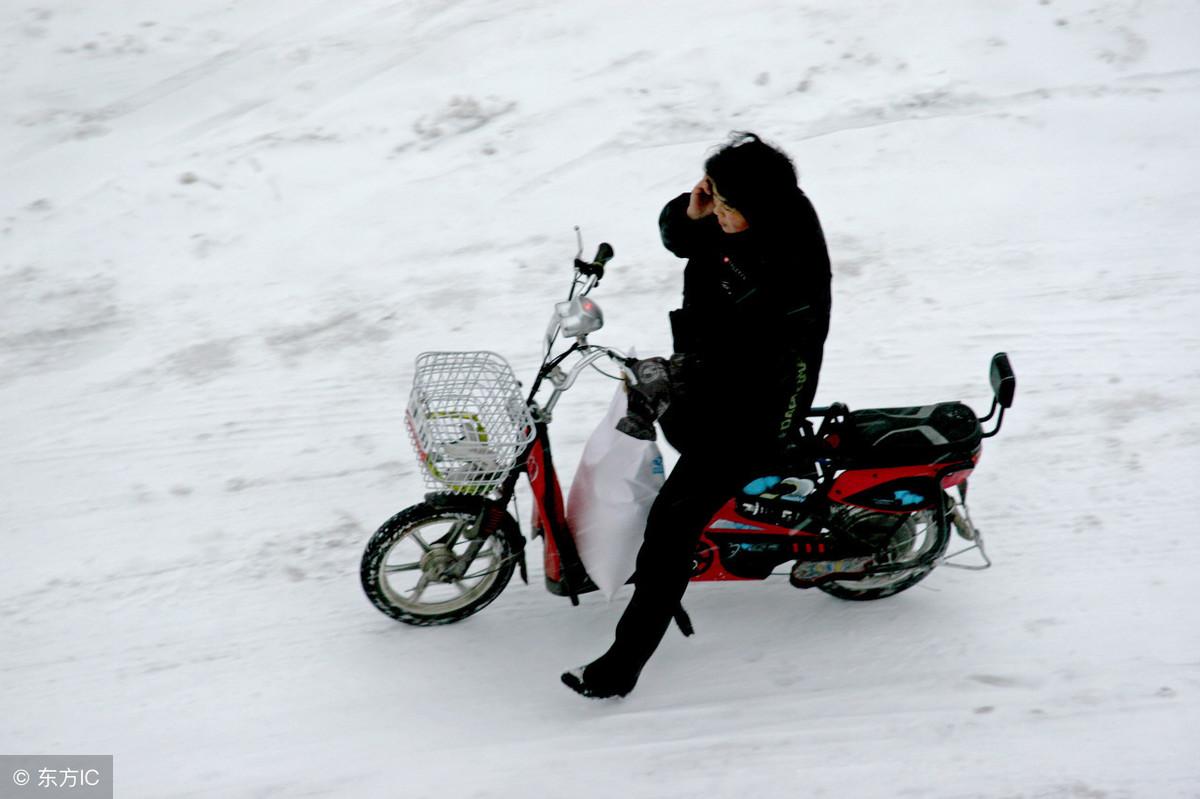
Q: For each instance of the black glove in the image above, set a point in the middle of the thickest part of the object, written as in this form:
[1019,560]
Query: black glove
[648,398]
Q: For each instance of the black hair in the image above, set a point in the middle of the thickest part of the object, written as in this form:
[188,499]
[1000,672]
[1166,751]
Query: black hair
[755,178]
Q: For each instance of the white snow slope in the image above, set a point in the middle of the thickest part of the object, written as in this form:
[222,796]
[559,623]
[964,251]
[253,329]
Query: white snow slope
[227,229]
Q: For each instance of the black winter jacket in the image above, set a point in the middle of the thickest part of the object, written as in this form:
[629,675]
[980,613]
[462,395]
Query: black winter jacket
[752,329]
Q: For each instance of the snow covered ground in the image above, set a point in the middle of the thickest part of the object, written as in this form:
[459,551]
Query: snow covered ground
[227,229]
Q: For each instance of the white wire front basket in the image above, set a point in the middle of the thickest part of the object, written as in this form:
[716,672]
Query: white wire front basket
[468,420]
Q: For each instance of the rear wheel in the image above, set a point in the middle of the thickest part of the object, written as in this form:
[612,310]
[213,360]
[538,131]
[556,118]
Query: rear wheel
[415,567]
[895,539]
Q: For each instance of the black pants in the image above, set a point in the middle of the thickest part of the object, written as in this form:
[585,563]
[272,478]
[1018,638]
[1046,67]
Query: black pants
[695,490]
[711,469]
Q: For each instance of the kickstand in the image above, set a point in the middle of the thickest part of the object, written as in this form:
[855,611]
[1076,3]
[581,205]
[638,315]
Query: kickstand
[987,562]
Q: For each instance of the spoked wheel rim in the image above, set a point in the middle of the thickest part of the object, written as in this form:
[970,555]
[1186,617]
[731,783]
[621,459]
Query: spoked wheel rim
[413,572]
[912,540]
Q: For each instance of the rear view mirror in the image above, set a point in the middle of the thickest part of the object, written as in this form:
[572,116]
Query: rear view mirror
[1004,382]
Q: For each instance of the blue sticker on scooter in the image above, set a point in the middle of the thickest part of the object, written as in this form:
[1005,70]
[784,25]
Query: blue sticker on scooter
[906,498]
[726,524]
[756,487]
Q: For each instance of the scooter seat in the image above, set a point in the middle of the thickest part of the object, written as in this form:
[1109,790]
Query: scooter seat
[902,436]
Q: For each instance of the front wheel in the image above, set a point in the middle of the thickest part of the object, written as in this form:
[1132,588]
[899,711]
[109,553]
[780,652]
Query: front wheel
[418,568]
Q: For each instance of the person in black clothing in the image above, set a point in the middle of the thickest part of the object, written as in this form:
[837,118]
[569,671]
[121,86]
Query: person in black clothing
[748,346]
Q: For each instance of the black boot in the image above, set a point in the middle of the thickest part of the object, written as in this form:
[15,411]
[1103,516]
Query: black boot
[596,682]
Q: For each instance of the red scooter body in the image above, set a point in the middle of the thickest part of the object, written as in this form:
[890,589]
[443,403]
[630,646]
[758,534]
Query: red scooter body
[748,538]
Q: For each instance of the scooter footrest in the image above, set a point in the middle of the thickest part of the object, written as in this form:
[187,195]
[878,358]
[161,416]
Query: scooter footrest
[809,573]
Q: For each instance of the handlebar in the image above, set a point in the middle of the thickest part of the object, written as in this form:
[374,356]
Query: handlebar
[577,317]
[595,267]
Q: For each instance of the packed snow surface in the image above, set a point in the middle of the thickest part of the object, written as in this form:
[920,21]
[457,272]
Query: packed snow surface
[227,229]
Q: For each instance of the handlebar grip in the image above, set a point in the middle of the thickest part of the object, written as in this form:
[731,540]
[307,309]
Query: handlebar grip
[596,267]
[604,254]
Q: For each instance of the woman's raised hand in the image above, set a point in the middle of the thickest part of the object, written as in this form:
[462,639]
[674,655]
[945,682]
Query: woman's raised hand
[701,203]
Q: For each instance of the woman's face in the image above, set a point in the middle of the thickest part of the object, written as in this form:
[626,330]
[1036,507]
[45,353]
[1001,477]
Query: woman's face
[730,218]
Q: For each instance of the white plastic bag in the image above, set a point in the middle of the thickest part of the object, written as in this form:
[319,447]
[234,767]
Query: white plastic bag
[616,483]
